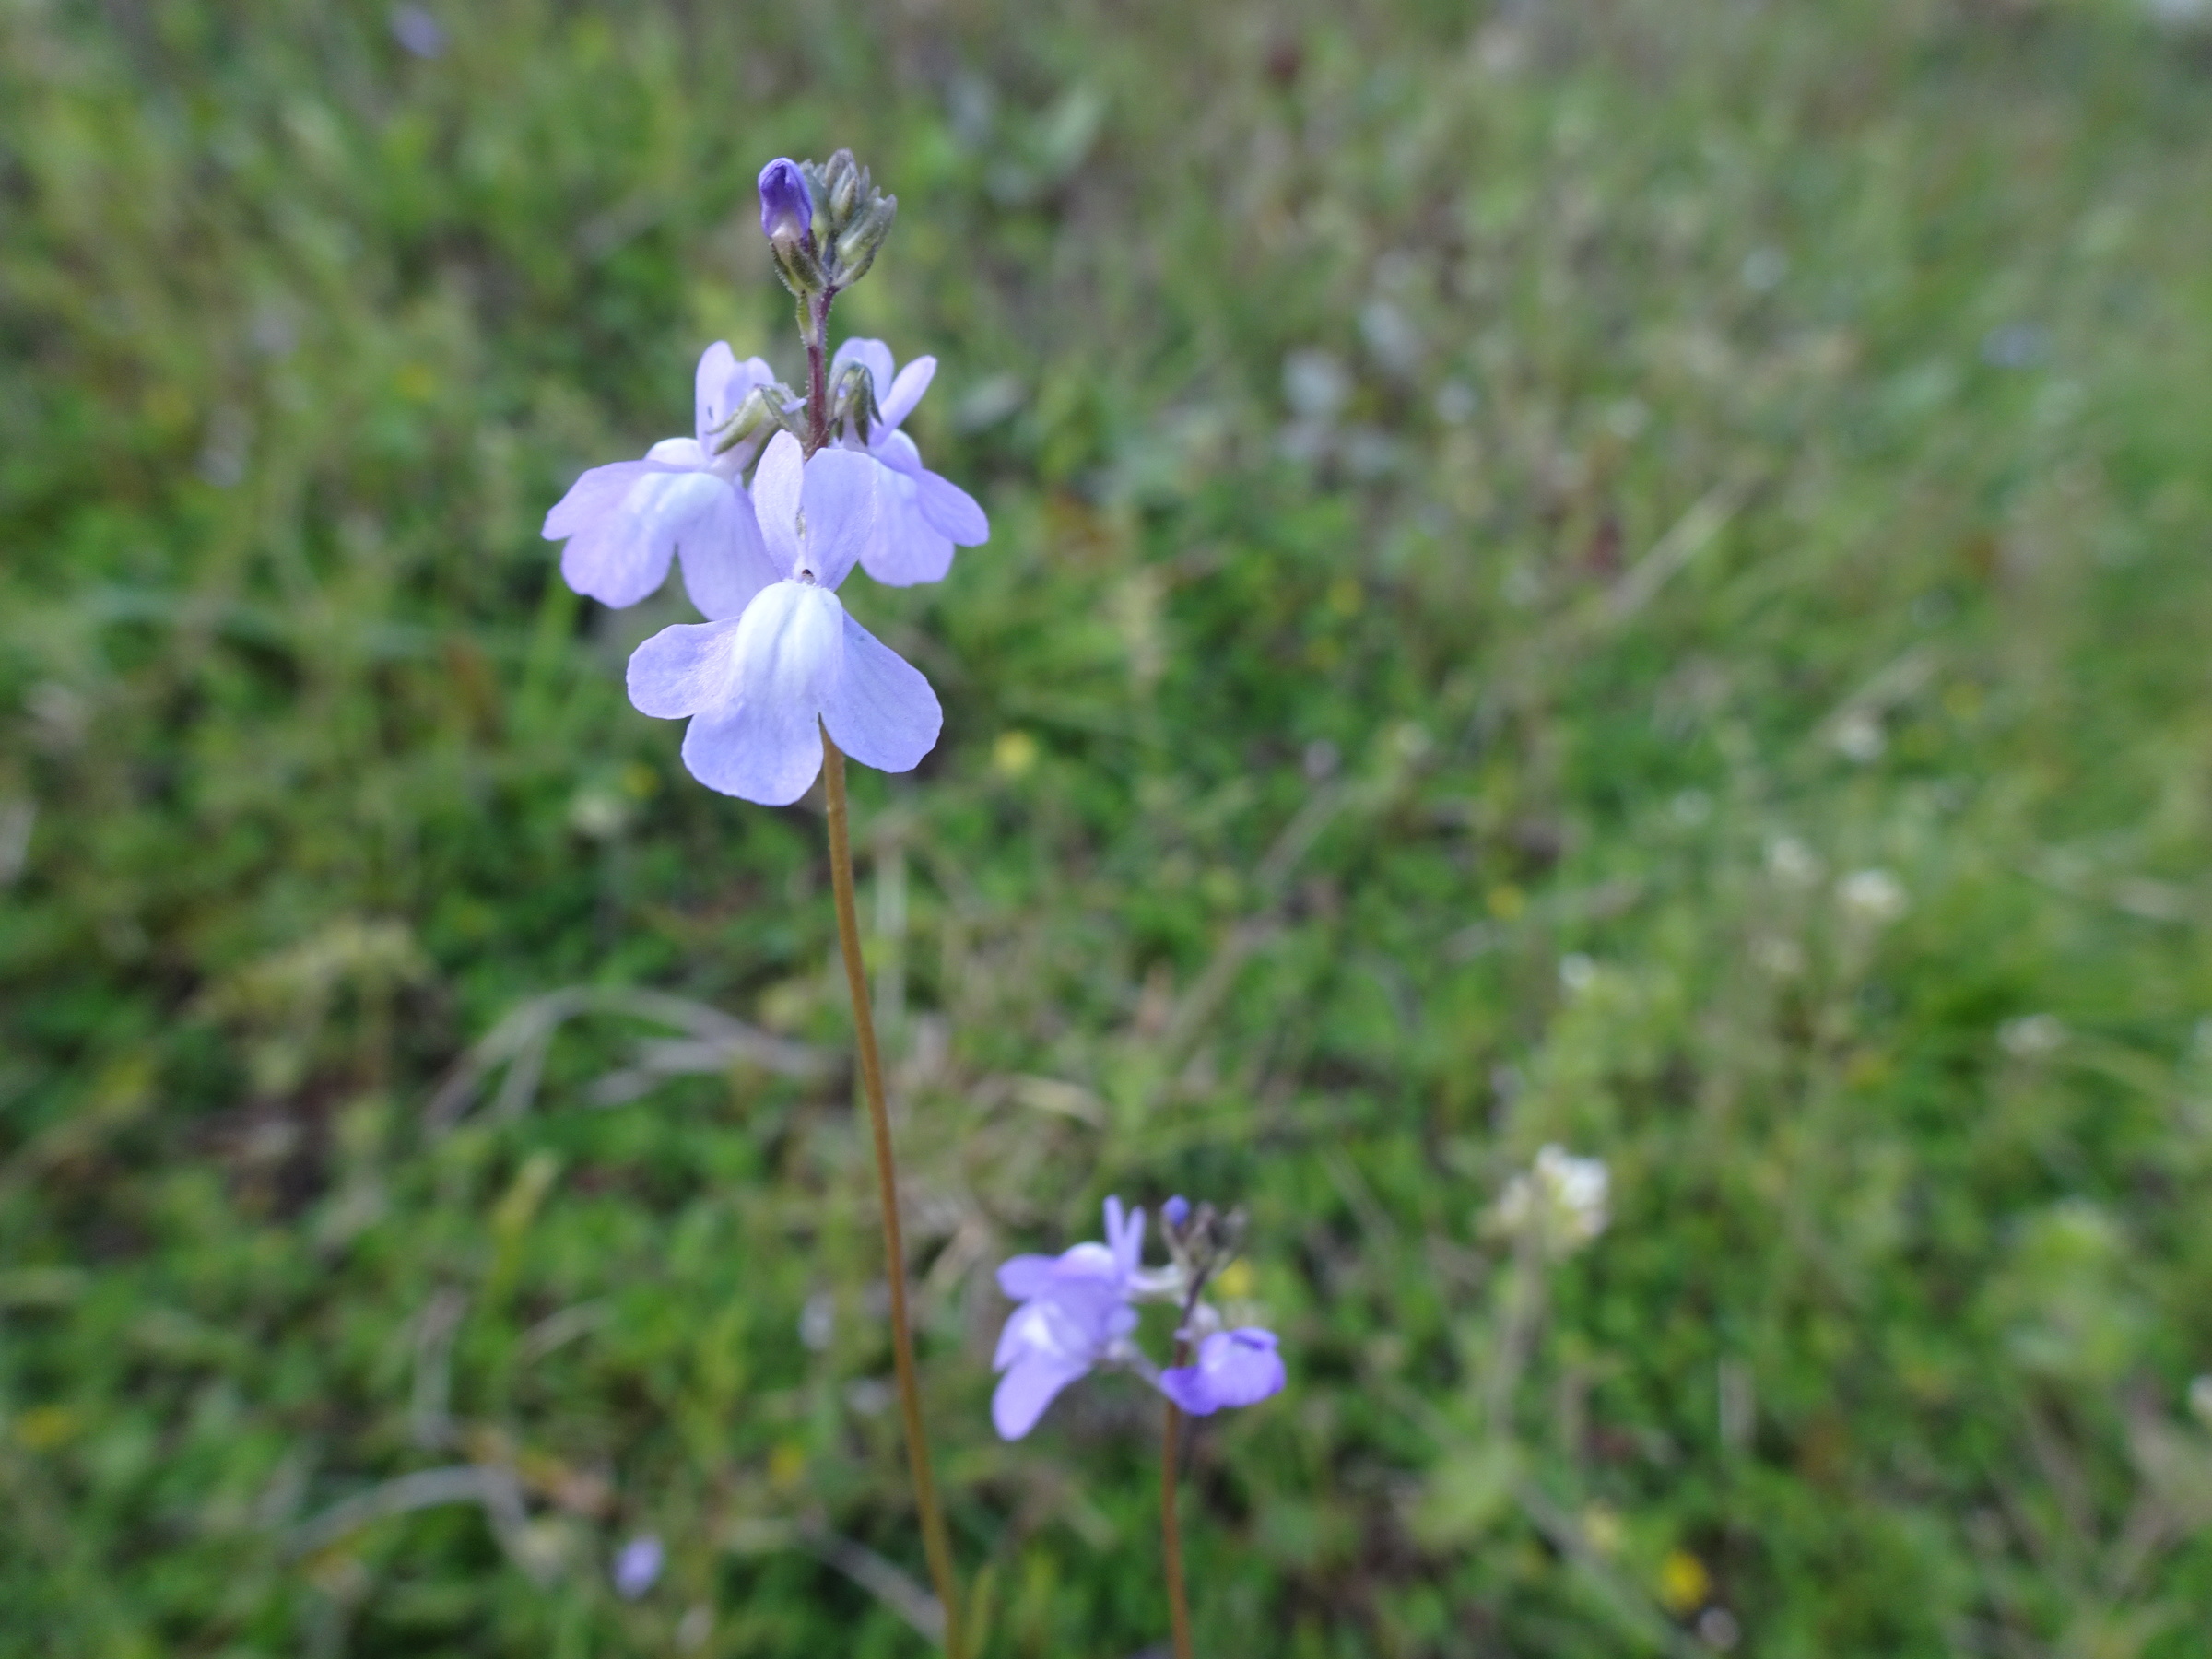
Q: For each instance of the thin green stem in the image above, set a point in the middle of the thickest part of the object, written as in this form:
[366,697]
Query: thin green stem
[935,1543]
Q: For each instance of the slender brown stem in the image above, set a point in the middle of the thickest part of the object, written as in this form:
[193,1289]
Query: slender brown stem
[1170,1529]
[936,1544]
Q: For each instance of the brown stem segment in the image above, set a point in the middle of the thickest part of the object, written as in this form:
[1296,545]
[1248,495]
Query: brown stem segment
[936,1544]
[1171,1532]
[817,311]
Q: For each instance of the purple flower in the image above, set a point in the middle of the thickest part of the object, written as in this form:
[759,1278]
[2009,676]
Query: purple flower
[638,1567]
[624,522]
[1074,1311]
[1235,1368]
[1176,1211]
[754,681]
[417,31]
[928,515]
[786,204]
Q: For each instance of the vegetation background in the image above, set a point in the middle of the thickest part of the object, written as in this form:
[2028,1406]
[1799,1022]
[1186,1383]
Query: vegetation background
[1625,572]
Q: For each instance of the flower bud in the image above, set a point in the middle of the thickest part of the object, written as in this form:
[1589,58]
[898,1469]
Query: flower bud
[847,181]
[764,412]
[786,204]
[853,398]
[858,247]
[1176,1211]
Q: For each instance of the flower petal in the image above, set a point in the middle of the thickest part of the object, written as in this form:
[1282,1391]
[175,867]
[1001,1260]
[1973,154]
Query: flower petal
[713,398]
[1024,1276]
[776,486]
[897,401]
[839,501]
[1087,1261]
[872,355]
[789,646]
[769,755]
[726,562]
[686,453]
[951,510]
[881,710]
[623,556]
[594,494]
[1125,1236]
[1027,1389]
[684,669]
[1235,1368]
[764,744]
[907,549]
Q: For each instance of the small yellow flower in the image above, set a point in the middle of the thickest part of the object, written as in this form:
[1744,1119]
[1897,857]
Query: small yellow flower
[1602,1527]
[1684,1584]
[43,1428]
[1013,753]
[786,1464]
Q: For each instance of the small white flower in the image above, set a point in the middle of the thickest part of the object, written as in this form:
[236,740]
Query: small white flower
[1859,736]
[1781,957]
[1563,1195]
[1872,896]
[1793,862]
[2031,1035]
[1577,972]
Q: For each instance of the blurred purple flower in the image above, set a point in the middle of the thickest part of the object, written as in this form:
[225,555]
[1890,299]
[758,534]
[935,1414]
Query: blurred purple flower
[1235,1368]
[786,204]
[754,681]
[624,522]
[1074,1311]
[929,514]
[638,1567]
[417,32]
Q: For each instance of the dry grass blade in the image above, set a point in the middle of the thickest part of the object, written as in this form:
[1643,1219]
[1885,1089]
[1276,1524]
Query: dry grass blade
[495,1489]
[714,1042]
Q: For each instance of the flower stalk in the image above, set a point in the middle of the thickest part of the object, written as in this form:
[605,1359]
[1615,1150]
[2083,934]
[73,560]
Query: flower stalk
[1171,1523]
[780,663]
[936,1544]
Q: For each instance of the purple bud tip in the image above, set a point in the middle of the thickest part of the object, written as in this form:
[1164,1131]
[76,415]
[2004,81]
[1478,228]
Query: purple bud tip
[786,204]
[1176,1211]
[638,1567]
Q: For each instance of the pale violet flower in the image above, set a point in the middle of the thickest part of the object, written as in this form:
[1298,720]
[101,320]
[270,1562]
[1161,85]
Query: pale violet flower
[1562,1196]
[638,1567]
[1233,1367]
[1074,1314]
[624,522]
[927,515]
[754,681]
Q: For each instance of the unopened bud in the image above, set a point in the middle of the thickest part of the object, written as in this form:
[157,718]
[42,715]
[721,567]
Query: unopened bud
[853,399]
[847,183]
[858,247]
[762,413]
[786,204]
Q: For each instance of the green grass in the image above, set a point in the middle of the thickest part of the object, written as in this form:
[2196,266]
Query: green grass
[1284,768]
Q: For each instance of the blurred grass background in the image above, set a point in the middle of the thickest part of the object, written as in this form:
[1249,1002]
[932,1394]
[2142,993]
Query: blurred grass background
[1609,572]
